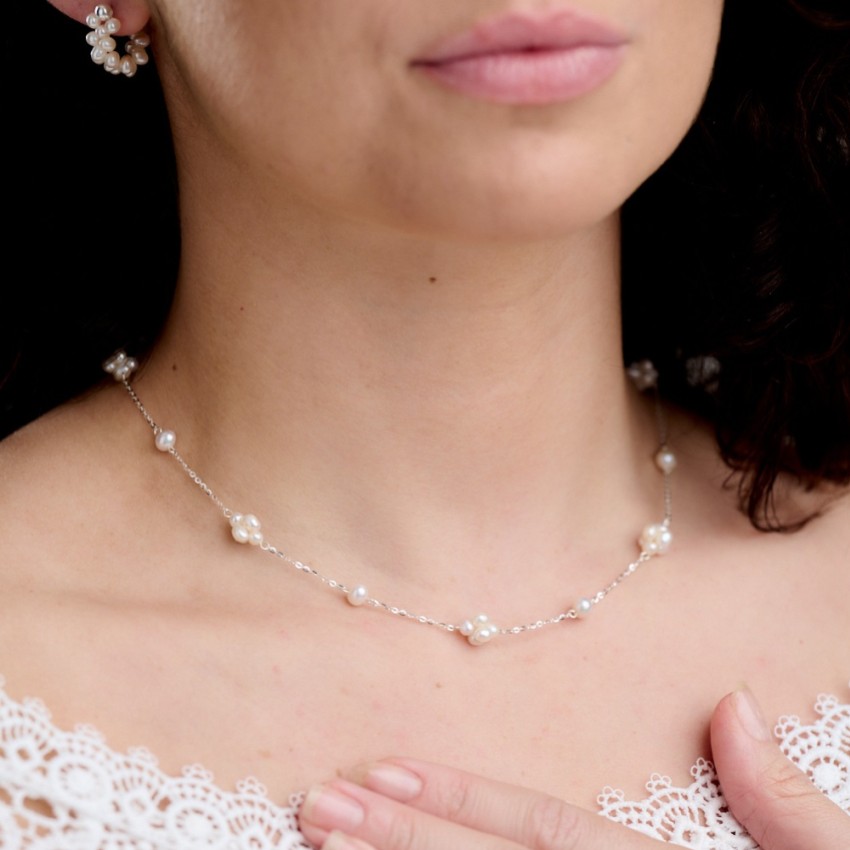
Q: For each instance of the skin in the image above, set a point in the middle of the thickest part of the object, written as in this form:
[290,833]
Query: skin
[381,284]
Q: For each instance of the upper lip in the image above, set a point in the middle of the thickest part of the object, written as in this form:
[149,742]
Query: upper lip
[517,32]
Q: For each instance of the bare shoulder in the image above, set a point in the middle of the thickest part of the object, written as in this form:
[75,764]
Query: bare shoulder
[70,503]
[56,474]
[769,602]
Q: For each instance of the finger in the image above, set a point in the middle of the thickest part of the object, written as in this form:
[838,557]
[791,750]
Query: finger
[342,811]
[776,802]
[526,818]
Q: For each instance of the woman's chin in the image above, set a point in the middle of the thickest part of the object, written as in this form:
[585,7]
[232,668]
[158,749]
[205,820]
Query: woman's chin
[520,216]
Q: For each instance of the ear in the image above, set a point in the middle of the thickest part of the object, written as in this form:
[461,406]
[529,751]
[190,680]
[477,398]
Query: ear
[133,14]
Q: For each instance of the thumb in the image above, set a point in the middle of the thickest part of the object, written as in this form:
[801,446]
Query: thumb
[774,800]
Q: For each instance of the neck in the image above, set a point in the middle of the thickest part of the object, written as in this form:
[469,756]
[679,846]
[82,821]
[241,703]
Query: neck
[399,402]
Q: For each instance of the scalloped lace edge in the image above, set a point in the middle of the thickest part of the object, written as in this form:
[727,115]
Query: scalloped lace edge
[93,798]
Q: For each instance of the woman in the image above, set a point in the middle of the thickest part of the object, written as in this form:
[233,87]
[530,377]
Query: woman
[396,339]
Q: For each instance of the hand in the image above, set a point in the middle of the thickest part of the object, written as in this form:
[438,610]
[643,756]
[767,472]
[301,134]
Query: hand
[402,804]
[767,793]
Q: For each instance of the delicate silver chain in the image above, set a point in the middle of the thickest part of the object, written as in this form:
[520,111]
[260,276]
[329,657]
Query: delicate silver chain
[655,540]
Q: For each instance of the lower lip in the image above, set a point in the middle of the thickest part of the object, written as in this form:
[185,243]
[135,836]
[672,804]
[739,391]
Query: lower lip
[529,77]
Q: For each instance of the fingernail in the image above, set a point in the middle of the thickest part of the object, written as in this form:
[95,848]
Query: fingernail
[328,809]
[391,780]
[340,841]
[750,716]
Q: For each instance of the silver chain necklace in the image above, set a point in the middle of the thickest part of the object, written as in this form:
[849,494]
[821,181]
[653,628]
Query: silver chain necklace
[245,528]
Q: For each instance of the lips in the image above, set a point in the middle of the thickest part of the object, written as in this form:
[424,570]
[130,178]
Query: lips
[527,58]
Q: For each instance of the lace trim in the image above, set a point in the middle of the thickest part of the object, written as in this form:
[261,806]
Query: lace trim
[68,791]
[697,816]
[96,799]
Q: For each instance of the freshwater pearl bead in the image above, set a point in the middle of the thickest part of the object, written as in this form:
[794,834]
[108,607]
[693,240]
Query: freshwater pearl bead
[245,528]
[665,460]
[656,539]
[358,595]
[165,440]
[481,636]
[583,607]
[138,53]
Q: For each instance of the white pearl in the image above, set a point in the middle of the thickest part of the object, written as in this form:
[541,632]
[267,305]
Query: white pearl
[108,43]
[103,11]
[583,607]
[98,56]
[665,460]
[112,61]
[142,39]
[113,25]
[480,636]
[128,66]
[483,635]
[165,440]
[240,534]
[358,595]
[92,20]
[466,628]
[92,38]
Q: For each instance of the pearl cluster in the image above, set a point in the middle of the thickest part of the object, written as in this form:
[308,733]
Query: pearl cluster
[245,528]
[120,366]
[478,631]
[104,52]
[656,539]
[644,375]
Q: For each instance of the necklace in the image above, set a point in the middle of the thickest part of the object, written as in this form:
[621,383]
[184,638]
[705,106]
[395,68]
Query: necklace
[245,528]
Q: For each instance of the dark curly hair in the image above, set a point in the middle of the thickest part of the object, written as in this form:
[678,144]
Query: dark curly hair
[736,253]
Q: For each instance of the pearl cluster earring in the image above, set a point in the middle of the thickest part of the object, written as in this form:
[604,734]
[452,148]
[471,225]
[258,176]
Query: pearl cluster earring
[104,52]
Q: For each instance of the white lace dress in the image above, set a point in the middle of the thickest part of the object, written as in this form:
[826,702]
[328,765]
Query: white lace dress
[93,798]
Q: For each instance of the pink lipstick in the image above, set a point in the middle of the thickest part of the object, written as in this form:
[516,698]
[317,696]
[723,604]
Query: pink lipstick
[528,59]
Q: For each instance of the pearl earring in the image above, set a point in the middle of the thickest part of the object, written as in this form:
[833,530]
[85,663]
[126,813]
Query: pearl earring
[103,45]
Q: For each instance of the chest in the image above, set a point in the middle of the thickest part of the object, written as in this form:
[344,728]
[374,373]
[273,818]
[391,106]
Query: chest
[293,694]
